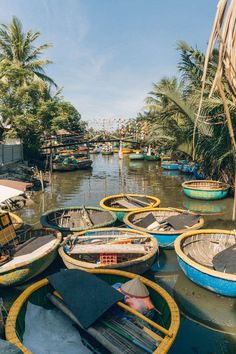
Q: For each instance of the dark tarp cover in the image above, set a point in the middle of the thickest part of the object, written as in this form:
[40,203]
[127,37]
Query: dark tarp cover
[87,296]
[146,221]
[225,261]
[179,222]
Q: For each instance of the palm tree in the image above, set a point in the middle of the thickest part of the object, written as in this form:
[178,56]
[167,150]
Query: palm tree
[17,50]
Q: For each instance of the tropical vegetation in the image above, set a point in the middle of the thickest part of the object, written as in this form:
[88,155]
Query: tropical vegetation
[171,110]
[31,105]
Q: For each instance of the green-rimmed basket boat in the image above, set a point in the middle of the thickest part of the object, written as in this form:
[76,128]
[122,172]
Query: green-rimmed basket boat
[167,321]
[136,251]
[205,189]
[136,156]
[165,238]
[30,258]
[122,204]
[77,218]
[152,157]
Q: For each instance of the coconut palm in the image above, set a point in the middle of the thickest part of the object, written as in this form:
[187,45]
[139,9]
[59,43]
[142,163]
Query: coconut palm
[17,50]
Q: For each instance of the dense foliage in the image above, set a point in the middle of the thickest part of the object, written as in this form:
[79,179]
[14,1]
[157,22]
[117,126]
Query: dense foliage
[171,114]
[28,107]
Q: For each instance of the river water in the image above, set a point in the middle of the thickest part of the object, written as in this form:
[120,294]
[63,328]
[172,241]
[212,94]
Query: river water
[208,321]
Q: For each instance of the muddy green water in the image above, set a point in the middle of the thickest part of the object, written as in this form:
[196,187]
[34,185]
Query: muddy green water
[208,321]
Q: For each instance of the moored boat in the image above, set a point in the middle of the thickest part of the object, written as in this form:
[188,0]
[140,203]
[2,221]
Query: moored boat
[170,165]
[77,218]
[165,158]
[187,168]
[207,257]
[205,189]
[83,163]
[152,157]
[130,336]
[136,156]
[165,224]
[63,167]
[108,152]
[118,248]
[26,254]
[121,204]
[127,150]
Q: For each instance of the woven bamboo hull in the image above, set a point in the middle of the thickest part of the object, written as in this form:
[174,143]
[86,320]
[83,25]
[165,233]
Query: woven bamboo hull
[205,195]
[164,303]
[134,266]
[20,275]
[205,276]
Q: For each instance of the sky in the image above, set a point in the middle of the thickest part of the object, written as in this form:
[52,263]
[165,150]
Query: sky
[107,53]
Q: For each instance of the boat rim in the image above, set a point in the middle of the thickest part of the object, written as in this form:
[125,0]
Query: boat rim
[225,186]
[58,238]
[196,265]
[45,223]
[71,260]
[198,225]
[164,345]
[102,204]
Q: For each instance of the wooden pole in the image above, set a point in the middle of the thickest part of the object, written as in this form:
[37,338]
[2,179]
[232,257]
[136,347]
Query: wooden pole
[41,180]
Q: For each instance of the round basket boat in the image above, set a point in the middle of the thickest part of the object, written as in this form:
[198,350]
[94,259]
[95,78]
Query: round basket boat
[152,157]
[77,218]
[196,252]
[170,165]
[167,321]
[205,189]
[121,204]
[136,156]
[119,248]
[36,250]
[145,221]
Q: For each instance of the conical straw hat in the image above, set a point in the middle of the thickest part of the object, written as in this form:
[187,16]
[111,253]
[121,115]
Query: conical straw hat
[135,288]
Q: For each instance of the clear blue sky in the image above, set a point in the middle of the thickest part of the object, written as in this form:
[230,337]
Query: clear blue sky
[107,53]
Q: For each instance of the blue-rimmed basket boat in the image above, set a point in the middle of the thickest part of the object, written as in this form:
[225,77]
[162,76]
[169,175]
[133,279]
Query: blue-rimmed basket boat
[77,218]
[122,204]
[166,323]
[165,238]
[110,248]
[195,251]
[187,168]
[205,189]
[136,156]
[170,165]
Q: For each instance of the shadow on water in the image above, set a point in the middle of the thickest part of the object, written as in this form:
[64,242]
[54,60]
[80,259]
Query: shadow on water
[204,314]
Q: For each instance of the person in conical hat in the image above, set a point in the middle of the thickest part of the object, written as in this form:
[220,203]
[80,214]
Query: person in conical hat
[137,296]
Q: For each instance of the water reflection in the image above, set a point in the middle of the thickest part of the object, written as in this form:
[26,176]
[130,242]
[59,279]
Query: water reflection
[111,176]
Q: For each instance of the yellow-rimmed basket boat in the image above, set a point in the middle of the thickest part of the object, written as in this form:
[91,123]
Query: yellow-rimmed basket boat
[122,204]
[165,238]
[111,248]
[205,189]
[166,324]
[35,250]
[196,251]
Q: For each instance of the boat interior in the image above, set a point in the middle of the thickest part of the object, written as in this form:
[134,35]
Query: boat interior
[129,202]
[164,220]
[214,251]
[78,218]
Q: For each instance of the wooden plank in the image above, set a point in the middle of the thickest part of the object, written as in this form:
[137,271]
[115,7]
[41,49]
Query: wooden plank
[125,204]
[105,248]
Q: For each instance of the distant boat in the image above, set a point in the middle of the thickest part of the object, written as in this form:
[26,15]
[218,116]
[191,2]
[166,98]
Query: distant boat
[83,163]
[208,258]
[165,224]
[118,334]
[70,219]
[205,189]
[63,167]
[170,165]
[118,248]
[136,156]
[152,157]
[121,204]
